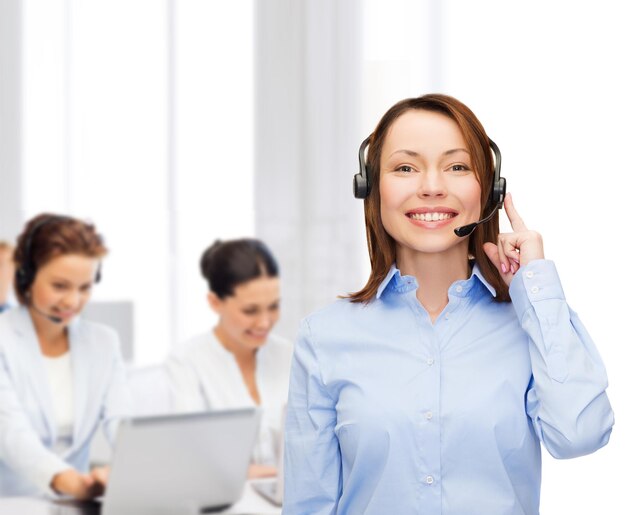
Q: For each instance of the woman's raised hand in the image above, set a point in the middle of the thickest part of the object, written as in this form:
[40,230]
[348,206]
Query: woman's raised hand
[514,249]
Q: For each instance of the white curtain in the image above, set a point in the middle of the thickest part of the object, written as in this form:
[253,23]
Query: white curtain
[308,88]
[10,122]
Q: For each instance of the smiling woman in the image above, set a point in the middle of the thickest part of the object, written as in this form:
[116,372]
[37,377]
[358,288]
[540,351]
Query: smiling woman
[59,377]
[239,363]
[431,389]
[426,175]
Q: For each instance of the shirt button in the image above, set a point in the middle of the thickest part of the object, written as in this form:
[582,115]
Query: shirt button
[534,289]
[429,415]
[430,361]
[459,288]
[447,316]
[530,274]
[430,480]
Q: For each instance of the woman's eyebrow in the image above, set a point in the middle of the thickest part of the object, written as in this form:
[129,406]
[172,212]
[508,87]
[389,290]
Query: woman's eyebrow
[455,150]
[412,153]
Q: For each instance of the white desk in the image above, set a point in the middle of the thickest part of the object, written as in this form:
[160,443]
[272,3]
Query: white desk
[250,504]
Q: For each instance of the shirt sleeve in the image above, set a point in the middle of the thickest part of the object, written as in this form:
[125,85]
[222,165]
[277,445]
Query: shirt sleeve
[185,385]
[117,401]
[566,399]
[312,459]
[20,446]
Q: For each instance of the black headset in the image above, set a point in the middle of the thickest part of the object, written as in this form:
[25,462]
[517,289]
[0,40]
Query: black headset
[25,274]
[362,182]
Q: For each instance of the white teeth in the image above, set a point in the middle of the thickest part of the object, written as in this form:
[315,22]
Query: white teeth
[430,217]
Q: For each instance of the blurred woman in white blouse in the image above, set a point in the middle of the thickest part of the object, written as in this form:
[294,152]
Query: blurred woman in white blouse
[60,377]
[239,363]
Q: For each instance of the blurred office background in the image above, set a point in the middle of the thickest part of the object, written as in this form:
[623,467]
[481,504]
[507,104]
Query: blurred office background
[172,123]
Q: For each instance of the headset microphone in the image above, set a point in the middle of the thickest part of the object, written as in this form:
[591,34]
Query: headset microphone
[496,199]
[52,318]
[466,230]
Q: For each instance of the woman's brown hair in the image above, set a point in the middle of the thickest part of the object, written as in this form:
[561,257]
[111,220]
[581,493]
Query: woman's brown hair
[381,246]
[46,237]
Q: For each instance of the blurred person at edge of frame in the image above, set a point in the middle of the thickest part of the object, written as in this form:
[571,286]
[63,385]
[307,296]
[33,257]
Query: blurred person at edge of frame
[60,376]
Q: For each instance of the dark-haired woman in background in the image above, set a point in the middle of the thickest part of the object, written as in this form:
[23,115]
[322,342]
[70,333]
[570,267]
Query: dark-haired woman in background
[60,377]
[239,363]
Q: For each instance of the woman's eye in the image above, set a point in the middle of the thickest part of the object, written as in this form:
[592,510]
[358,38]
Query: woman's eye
[58,286]
[459,168]
[405,169]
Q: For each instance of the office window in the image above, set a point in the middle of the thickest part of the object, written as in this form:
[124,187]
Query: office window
[138,115]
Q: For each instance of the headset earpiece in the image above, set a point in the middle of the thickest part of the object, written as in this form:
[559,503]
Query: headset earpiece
[25,274]
[361,184]
[498,188]
[23,279]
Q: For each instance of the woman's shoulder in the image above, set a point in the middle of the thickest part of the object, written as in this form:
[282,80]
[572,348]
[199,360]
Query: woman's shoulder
[340,319]
[96,330]
[101,337]
[198,344]
[338,310]
[278,346]
[14,318]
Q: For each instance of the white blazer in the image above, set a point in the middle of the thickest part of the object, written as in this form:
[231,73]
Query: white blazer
[27,425]
[204,375]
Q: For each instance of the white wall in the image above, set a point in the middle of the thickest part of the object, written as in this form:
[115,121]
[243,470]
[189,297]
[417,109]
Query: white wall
[308,75]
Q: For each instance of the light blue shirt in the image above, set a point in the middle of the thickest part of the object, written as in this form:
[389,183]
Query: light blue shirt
[391,414]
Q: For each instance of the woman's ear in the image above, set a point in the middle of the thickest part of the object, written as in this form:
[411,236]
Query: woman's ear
[215,303]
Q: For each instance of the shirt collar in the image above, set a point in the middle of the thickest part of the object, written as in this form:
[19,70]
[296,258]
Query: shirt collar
[479,275]
[398,282]
[403,283]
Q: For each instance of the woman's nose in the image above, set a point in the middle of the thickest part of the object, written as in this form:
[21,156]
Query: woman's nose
[265,321]
[72,298]
[432,185]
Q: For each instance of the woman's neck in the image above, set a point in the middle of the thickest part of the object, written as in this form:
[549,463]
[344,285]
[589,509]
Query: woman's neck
[53,340]
[245,359]
[241,353]
[435,272]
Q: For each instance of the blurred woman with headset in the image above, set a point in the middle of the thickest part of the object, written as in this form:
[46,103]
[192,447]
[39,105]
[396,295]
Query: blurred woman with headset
[240,362]
[431,388]
[60,376]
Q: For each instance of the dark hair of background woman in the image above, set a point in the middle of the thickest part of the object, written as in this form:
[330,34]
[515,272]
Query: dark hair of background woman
[227,264]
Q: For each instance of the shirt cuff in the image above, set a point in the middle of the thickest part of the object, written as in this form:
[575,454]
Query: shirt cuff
[534,282]
[50,467]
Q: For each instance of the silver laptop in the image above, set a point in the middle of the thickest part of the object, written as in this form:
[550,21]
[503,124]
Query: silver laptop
[181,464]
